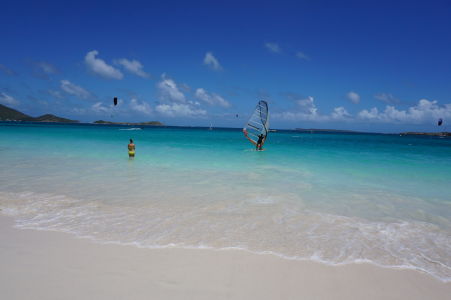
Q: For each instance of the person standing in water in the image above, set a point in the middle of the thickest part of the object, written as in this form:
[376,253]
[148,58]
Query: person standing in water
[259,143]
[131,149]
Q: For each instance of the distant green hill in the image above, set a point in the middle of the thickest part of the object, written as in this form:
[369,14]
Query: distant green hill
[53,118]
[9,114]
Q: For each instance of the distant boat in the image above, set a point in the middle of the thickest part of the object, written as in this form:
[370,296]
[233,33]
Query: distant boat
[211,127]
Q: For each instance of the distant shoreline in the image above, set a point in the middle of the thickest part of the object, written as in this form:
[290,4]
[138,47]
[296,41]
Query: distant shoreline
[151,123]
[159,124]
[427,133]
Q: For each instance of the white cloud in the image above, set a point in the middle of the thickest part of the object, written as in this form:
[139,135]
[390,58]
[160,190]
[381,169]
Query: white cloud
[340,113]
[424,111]
[179,110]
[353,97]
[169,90]
[306,111]
[297,116]
[212,62]
[100,67]
[99,107]
[212,99]
[7,99]
[140,106]
[307,105]
[273,47]
[371,114]
[134,105]
[387,98]
[75,90]
[302,55]
[174,102]
[133,66]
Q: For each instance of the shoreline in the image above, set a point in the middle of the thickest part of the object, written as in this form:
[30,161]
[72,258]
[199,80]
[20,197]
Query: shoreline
[57,265]
[294,130]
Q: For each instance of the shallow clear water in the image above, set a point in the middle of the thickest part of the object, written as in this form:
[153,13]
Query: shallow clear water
[335,198]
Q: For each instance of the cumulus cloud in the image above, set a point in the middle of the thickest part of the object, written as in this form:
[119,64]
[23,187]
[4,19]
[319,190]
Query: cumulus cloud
[353,97]
[307,105]
[179,110]
[340,113]
[169,90]
[132,66]
[212,99]
[306,110]
[7,99]
[100,67]
[273,47]
[74,90]
[173,101]
[301,55]
[386,98]
[135,105]
[140,106]
[424,111]
[212,62]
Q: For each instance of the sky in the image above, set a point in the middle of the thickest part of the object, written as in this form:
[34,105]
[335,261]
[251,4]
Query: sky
[359,65]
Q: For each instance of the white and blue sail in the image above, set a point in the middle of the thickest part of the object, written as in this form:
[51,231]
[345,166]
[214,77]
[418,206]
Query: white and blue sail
[259,122]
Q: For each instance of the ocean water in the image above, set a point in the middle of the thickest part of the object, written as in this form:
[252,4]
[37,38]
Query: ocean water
[329,197]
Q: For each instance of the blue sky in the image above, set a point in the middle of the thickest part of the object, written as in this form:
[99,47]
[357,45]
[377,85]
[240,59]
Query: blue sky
[373,66]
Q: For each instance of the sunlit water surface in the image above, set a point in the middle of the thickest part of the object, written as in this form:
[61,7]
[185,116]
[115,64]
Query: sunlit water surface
[335,198]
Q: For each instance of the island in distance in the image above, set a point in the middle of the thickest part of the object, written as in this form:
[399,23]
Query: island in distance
[313,130]
[9,114]
[427,133]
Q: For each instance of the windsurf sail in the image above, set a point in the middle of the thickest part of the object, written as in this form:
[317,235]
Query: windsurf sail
[258,123]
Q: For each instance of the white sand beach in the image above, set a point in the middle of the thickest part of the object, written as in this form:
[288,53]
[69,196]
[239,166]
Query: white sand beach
[55,265]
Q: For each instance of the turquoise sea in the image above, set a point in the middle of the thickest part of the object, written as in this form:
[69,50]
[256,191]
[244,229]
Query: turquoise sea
[329,197]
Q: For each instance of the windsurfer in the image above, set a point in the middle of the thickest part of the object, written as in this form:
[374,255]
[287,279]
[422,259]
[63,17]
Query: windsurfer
[259,143]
